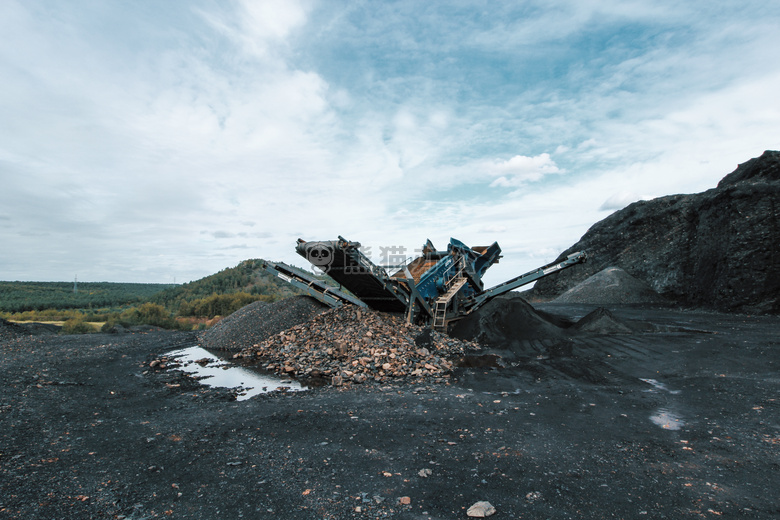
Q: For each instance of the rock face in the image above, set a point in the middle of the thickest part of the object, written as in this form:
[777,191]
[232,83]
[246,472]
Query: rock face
[718,249]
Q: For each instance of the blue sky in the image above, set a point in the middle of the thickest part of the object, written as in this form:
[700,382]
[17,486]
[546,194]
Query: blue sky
[147,141]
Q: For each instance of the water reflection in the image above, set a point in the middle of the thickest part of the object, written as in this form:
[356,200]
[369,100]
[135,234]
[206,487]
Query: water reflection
[667,419]
[659,385]
[212,371]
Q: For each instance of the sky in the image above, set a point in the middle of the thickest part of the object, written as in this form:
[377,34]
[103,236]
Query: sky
[157,141]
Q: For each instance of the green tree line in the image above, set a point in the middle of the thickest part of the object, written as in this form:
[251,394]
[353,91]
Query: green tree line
[162,305]
[38,296]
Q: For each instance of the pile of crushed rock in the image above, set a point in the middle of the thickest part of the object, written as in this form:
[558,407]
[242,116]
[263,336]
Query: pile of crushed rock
[300,337]
[356,345]
[258,321]
[611,286]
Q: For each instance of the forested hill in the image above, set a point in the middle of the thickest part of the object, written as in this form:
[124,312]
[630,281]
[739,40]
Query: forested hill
[247,277]
[36,296]
[216,294]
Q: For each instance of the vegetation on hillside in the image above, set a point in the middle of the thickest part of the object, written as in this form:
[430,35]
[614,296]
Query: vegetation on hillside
[247,277]
[37,296]
[163,305]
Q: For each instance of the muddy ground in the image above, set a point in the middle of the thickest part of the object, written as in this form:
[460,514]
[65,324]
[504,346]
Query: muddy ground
[679,422]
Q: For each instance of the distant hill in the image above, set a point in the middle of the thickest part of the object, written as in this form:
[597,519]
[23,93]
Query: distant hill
[247,277]
[36,296]
[716,249]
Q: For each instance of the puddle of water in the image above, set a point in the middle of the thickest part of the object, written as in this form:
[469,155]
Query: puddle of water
[667,419]
[213,371]
[659,386]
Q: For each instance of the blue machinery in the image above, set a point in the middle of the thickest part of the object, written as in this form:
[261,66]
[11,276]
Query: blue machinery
[438,287]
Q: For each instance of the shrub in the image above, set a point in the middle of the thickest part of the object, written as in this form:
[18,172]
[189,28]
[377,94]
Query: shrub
[77,326]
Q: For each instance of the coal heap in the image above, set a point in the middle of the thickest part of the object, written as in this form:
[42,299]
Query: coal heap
[714,249]
[512,324]
[601,321]
[610,286]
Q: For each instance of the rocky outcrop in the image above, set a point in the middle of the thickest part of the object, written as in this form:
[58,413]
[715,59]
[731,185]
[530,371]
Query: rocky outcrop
[717,249]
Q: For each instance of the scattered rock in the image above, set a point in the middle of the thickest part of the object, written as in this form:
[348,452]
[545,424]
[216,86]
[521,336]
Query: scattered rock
[425,472]
[533,496]
[9,330]
[481,510]
[405,501]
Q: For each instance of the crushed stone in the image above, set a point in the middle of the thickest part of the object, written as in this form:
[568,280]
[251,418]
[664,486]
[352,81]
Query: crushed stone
[257,321]
[611,286]
[356,345]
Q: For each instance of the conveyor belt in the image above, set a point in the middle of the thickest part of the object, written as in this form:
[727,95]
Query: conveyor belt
[343,261]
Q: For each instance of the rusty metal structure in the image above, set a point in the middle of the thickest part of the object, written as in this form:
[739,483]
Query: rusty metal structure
[437,287]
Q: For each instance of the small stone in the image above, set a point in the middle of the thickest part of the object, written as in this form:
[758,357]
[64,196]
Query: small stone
[481,510]
[425,472]
[404,501]
[533,495]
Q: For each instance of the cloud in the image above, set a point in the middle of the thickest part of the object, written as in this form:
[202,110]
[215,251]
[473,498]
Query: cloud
[385,122]
[520,170]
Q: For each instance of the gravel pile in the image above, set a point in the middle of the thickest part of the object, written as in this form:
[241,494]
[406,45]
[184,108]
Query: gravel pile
[10,331]
[353,345]
[601,321]
[611,286]
[257,321]
[507,323]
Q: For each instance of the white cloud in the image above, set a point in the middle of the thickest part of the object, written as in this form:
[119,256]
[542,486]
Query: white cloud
[383,123]
[521,169]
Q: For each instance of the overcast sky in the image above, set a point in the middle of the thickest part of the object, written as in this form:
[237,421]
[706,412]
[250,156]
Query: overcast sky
[149,141]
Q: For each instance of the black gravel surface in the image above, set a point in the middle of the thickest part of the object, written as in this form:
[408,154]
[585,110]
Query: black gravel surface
[677,424]
[9,330]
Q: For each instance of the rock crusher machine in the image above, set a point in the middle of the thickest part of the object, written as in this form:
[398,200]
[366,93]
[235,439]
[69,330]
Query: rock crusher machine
[437,288]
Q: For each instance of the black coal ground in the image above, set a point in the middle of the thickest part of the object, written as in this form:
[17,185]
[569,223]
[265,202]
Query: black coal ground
[677,421]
